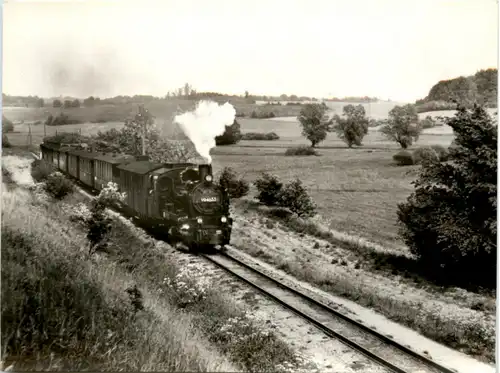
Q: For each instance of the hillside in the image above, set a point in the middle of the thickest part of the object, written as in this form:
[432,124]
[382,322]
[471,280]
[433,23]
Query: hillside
[480,87]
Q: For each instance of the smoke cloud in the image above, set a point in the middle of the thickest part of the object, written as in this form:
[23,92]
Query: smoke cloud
[207,121]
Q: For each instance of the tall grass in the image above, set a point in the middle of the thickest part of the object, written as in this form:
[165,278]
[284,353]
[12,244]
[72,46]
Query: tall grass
[64,311]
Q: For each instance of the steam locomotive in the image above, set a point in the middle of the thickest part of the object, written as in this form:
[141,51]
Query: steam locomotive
[179,200]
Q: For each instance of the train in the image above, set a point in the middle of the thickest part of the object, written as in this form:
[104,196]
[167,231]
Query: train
[180,201]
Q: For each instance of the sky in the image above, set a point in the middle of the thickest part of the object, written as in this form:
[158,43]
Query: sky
[391,49]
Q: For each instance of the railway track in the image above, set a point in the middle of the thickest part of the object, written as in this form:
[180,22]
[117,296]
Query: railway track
[377,347]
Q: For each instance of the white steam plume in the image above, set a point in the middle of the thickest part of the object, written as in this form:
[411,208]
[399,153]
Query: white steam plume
[204,123]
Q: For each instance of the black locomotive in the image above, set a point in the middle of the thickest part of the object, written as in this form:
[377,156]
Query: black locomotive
[178,199]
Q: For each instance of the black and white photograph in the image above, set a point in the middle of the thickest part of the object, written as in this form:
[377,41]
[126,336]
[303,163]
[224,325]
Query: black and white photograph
[249,186]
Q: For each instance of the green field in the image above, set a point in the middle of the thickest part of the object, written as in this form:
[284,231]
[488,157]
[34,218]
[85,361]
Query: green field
[357,190]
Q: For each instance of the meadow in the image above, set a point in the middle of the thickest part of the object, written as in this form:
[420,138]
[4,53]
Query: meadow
[356,190]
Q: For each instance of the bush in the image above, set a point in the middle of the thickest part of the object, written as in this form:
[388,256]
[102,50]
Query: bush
[236,188]
[260,136]
[294,197]
[65,138]
[425,154]
[428,122]
[301,150]
[7,125]
[61,120]
[441,151]
[5,141]
[449,222]
[231,136]
[403,158]
[58,186]
[269,189]
[262,114]
[41,170]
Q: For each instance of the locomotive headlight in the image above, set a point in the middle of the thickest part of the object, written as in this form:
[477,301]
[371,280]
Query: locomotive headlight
[223,219]
[184,227]
[199,220]
[208,178]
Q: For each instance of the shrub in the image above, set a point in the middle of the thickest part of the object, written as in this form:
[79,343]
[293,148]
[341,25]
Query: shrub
[441,151]
[294,197]
[425,154]
[260,136]
[428,122]
[61,120]
[231,136]
[403,158]
[7,125]
[99,223]
[269,189]
[65,138]
[301,150]
[40,170]
[7,176]
[236,188]
[58,186]
[5,141]
[449,221]
[262,114]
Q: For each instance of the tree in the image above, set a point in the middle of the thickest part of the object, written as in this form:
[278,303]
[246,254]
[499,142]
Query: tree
[75,103]
[57,103]
[246,94]
[7,125]
[40,102]
[68,104]
[402,125]
[231,135]
[449,221]
[129,140]
[89,102]
[354,126]
[187,89]
[315,122]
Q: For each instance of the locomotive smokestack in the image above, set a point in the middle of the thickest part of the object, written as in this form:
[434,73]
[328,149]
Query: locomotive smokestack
[204,170]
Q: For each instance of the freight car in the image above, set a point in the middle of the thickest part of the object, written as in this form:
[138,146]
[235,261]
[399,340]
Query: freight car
[179,200]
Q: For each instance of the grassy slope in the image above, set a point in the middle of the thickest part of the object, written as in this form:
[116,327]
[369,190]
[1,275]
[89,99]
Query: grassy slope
[64,311]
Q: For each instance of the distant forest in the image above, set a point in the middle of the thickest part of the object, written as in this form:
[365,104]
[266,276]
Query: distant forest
[479,88]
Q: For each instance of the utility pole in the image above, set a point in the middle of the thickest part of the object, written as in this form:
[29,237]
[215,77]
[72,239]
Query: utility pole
[142,119]
[29,136]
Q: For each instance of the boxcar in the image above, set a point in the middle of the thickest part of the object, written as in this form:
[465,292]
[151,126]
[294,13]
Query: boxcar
[136,183]
[50,154]
[63,159]
[81,166]
[72,166]
[105,168]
